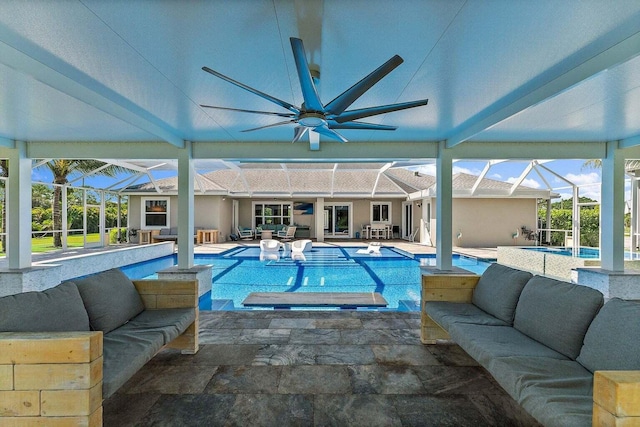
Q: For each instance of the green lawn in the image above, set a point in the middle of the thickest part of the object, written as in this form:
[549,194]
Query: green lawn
[45,244]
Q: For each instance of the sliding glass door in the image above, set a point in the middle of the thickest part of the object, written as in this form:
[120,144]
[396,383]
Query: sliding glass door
[337,220]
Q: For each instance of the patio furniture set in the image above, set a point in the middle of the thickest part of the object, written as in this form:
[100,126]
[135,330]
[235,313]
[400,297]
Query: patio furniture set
[86,339]
[563,355]
[377,231]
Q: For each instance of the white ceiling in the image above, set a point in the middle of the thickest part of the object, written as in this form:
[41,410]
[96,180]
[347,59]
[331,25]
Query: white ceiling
[510,70]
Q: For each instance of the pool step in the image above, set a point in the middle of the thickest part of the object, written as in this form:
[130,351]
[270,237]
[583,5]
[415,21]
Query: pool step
[315,299]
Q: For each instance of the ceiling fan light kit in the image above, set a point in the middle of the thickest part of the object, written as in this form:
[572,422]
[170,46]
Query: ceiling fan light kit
[315,116]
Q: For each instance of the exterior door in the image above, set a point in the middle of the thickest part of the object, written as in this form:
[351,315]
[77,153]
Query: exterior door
[407,220]
[337,220]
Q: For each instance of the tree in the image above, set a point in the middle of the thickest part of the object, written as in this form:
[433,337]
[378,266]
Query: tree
[61,169]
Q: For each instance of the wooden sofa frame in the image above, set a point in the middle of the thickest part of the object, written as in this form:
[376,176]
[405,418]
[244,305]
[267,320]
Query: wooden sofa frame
[616,394]
[55,378]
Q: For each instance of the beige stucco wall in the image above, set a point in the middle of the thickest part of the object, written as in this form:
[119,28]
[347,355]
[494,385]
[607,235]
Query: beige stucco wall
[490,222]
[483,222]
[209,212]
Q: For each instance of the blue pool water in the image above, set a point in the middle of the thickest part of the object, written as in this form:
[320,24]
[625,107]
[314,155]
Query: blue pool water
[582,252]
[236,273]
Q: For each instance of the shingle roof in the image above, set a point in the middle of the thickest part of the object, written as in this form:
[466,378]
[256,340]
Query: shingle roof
[324,180]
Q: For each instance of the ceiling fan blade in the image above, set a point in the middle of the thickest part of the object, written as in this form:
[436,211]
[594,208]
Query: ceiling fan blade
[309,92]
[324,130]
[249,111]
[348,97]
[361,125]
[348,116]
[298,133]
[286,122]
[276,101]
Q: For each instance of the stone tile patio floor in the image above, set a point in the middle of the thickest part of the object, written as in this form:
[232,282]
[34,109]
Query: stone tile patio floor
[313,368]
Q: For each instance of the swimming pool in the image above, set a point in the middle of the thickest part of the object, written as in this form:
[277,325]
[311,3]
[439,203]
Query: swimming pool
[395,274]
[582,252]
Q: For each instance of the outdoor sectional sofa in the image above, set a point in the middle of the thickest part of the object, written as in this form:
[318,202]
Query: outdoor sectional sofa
[565,357]
[170,234]
[65,349]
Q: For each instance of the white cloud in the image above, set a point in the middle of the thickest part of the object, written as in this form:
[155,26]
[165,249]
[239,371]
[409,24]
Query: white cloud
[496,176]
[583,178]
[527,182]
[427,169]
[459,169]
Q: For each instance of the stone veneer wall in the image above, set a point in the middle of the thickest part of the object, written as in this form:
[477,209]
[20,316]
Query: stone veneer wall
[47,274]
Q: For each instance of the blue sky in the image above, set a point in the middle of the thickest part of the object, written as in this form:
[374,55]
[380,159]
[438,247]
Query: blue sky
[573,170]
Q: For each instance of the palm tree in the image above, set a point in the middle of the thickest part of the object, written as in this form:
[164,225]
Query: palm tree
[61,169]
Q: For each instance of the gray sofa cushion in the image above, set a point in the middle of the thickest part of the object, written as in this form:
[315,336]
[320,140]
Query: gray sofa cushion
[446,313]
[170,322]
[485,343]
[124,353]
[498,290]
[164,231]
[556,392]
[110,299]
[58,309]
[557,313]
[616,326]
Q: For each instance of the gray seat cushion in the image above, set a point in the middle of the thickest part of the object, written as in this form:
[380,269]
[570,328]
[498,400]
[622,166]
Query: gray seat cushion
[164,232]
[485,343]
[557,313]
[446,313]
[59,309]
[124,353]
[170,322]
[555,392]
[498,290]
[612,341]
[110,298]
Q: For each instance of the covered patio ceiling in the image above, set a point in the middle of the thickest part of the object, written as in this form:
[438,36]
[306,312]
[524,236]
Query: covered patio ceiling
[94,72]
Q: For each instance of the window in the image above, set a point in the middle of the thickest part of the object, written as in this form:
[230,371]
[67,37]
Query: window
[272,213]
[155,213]
[381,212]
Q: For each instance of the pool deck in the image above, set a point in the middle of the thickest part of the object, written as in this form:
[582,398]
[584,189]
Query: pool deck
[313,368]
[216,248]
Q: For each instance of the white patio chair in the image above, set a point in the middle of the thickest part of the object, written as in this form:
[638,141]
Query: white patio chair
[245,234]
[287,234]
[298,246]
[372,249]
[270,245]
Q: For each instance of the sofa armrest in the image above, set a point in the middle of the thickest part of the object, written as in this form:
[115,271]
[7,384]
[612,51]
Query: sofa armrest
[616,398]
[443,287]
[51,377]
[160,294]
[168,293]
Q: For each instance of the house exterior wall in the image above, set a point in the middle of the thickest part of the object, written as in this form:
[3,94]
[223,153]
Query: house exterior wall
[482,222]
[209,212]
[489,222]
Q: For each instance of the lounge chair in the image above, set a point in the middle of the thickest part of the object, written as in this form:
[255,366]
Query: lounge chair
[269,256]
[270,245]
[372,249]
[288,233]
[299,246]
[245,233]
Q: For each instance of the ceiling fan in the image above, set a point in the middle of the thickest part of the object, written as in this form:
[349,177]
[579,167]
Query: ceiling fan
[315,116]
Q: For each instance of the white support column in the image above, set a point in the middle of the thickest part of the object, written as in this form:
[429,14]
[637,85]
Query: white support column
[612,209]
[103,220]
[19,208]
[185,207]
[444,208]
[65,216]
[548,238]
[320,219]
[575,221]
[634,213]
